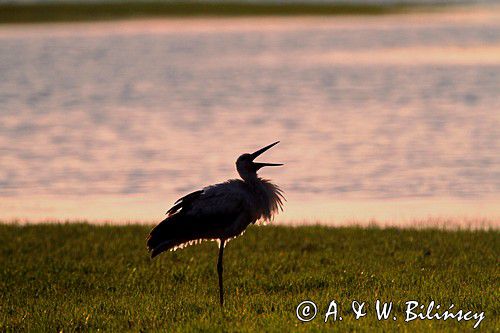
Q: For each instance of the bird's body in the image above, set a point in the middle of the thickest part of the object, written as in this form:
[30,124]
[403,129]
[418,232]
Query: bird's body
[219,212]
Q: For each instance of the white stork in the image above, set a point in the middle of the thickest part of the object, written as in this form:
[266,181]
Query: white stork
[219,212]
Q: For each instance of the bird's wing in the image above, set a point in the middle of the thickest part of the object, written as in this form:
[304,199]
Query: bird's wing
[204,214]
[184,202]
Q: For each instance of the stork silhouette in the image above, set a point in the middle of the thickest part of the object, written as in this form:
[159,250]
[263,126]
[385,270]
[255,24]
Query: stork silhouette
[219,212]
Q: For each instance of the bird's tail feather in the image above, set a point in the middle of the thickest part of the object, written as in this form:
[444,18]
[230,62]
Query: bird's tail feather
[165,235]
[161,248]
[178,229]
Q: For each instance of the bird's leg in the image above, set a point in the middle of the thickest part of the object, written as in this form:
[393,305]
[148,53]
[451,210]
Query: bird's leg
[219,271]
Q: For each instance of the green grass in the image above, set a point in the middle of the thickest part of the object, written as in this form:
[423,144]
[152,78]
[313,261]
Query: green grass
[56,12]
[74,277]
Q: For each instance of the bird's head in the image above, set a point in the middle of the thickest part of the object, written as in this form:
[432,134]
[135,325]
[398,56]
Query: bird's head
[247,167]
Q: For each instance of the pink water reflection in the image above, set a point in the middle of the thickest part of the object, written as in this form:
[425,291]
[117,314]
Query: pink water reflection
[389,118]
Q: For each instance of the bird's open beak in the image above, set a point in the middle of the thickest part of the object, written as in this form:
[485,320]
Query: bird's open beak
[259,152]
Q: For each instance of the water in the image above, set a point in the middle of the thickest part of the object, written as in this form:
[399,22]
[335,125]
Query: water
[385,117]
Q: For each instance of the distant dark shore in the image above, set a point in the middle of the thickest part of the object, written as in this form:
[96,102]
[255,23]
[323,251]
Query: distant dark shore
[68,12]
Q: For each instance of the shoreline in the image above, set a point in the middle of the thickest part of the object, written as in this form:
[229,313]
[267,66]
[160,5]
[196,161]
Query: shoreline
[229,24]
[442,213]
[486,225]
[11,13]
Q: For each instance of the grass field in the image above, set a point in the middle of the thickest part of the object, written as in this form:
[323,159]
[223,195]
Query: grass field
[74,277]
[81,11]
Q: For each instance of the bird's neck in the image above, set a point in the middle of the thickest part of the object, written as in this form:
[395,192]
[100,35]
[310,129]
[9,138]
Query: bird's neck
[250,177]
[257,187]
[267,196]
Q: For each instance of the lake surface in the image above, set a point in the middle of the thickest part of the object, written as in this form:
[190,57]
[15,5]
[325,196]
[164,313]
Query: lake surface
[387,117]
